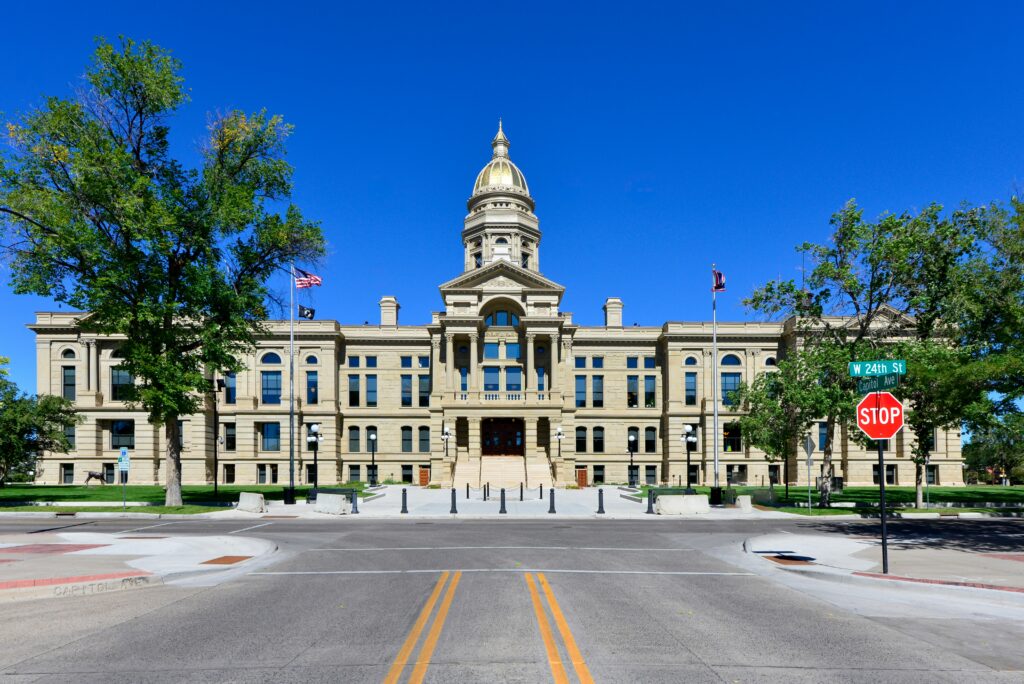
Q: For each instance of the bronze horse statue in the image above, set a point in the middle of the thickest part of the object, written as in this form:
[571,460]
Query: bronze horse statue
[93,474]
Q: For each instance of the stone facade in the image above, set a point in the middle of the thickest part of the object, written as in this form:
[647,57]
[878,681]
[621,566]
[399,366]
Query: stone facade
[500,387]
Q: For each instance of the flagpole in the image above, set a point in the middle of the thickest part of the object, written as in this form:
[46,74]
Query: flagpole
[714,365]
[291,382]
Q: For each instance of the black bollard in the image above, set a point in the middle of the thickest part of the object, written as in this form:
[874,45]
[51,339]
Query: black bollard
[405,507]
[600,501]
[355,502]
[502,509]
[520,491]
[485,491]
[542,491]
[454,510]
[467,491]
[650,502]
[551,508]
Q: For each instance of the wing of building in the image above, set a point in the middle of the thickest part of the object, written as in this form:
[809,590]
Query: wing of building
[501,387]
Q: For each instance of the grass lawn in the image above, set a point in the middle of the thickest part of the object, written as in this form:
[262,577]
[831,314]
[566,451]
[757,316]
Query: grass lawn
[191,495]
[893,495]
[190,510]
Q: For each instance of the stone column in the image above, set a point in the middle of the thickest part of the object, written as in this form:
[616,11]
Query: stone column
[530,436]
[474,375]
[94,366]
[449,351]
[437,383]
[530,381]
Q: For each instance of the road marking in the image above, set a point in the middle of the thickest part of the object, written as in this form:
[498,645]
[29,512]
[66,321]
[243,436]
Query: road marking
[427,649]
[548,570]
[563,628]
[410,641]
[554,660]
[250,528]
[485,548]
[147,527]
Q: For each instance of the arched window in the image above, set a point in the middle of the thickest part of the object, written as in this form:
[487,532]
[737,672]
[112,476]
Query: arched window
[271,358]
[731,360]
[599,440]
[502,318]
[68,354]
[117,354]
[650,440]
[633,440]
[406,439]
[424,437]
[353,440]
[501,241]
[581,440]
[691,361]
[312,360]
[770,361]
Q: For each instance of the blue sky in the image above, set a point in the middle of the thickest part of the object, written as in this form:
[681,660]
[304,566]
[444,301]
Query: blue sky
[656,138]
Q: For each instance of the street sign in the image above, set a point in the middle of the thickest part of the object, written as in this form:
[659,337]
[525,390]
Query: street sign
[123,460]
[877,383]
[862,369]
[880,415]
[809,448]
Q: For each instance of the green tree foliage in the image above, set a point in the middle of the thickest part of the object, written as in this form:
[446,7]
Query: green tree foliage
[996,450]
[100,216]
[29,425]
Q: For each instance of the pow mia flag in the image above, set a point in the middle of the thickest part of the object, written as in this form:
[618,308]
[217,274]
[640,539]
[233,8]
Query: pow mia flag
[306,312]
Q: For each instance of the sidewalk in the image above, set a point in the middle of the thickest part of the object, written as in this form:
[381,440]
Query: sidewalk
[842,557]
[80,564]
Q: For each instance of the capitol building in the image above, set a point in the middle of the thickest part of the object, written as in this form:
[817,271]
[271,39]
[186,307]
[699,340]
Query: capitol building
[500,386]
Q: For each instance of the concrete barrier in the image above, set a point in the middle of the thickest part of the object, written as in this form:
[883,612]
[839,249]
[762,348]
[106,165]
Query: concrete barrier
[743,503]
[251,502]
[765,497]
[335,504]
[682,504]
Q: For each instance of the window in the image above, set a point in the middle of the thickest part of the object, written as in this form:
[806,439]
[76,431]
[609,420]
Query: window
[312,361]
[649,362]
[691,389]
[230,437]
[108,473]
[424,440]
[68,382]
[691,361]
[230,388]
[599,440]
[406,439]
[650,440]
[271,358]
[353,362]
[890,474]
[597,362]
[770,361]
[732,440]
[633,440]
[731,360]
[932,474]
[371,438]
[491,378]
[929,442]
[181,434]
[311,472]
[67,473]
[271,385]
[353,440]
[822,435]
[651,475]
[490,350]
[405,361]
[773,474]
[525,260]
[261,473]
[632,391]
[270,436]
[353,390]
[353,473]
[406,390]
[406,473]
[120,384]
[371,391]
[122,434]
[464,379]
[229,473]
[478,260]
[598,474]
[512,351]
[649,391]
[513,379]
[540,379]
[424,393]
[581,391]
[311,387]
[730,383]
[69,435]
[580,361]
[68,354]
[873,445]
[632,361]
[597,396]
[424,361]
[501,318]
[581,439]
[371,361]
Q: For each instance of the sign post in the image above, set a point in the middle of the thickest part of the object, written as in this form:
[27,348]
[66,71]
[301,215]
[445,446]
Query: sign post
[123,463]
[880,417]
[809,448]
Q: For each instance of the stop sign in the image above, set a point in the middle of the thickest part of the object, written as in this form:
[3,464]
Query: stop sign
[880,415]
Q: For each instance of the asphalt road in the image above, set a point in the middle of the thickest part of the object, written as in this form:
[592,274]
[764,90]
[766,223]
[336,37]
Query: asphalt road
[508,601]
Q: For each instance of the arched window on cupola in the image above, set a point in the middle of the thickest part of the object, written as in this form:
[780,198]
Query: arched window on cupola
[502,249]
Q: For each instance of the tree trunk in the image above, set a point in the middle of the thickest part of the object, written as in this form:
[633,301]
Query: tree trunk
[918,481]
[173,472]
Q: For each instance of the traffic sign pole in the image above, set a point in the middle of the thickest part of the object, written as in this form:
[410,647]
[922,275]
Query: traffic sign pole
[881,496]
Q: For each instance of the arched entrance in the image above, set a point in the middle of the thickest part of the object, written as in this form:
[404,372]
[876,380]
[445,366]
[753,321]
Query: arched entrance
[502,437]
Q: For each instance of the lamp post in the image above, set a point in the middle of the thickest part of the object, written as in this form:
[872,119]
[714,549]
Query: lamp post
[373,459]
[217,439]
[559,436]
[313,440]
[445,436]
[632,468]
[690,440]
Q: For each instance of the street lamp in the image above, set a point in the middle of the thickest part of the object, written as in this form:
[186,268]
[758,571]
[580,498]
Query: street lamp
[445,436]
[373,460]
[689,438]
[217,439]
[632,468]
[313,440]
[559,437]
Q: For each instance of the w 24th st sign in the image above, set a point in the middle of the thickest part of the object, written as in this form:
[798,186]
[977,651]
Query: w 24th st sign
[880,415]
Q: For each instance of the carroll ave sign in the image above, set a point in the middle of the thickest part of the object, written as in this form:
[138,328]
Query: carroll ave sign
[880,415]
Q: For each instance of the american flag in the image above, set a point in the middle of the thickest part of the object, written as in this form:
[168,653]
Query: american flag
[306,279]
[719,281]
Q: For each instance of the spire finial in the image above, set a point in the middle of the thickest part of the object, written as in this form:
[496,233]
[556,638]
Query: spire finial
[500,144]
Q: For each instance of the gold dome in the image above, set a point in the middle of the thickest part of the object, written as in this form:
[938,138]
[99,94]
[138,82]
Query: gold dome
[500,172]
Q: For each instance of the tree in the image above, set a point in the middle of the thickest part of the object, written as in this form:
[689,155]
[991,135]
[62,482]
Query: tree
[998,447]
[29,425]
[100,216]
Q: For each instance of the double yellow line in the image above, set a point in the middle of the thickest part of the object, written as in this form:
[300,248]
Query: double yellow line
[427,649]
[558,671]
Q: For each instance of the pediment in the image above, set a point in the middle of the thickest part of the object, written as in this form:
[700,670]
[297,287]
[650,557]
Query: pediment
[501,277]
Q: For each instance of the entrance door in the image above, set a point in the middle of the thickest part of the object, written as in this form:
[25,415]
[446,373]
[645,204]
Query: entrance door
[424,476]
[502,437]
[581,476]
